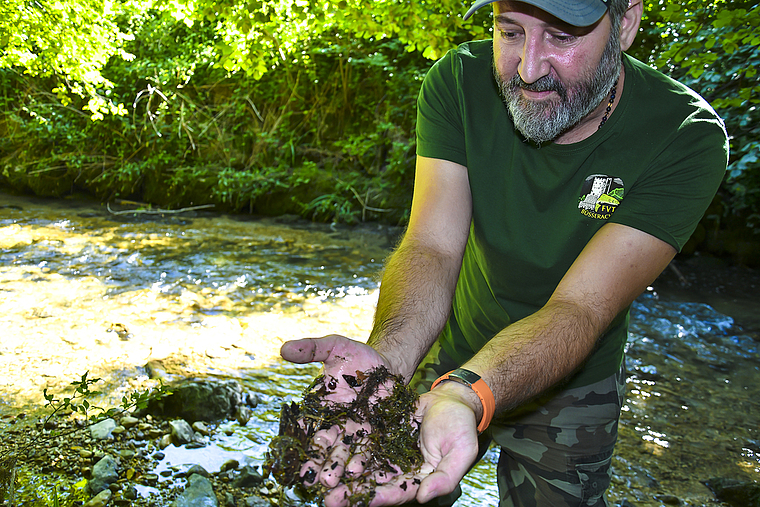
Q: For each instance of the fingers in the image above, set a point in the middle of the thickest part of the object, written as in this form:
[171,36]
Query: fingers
[356,435]
[321,445]
[332,471]
[331,453]
[400,489]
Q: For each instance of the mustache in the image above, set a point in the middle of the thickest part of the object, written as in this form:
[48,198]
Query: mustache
[542,84]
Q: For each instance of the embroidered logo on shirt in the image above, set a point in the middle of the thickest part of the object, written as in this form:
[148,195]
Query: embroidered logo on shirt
[600,196]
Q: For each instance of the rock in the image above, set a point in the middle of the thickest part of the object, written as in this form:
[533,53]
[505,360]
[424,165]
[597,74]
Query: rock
[128,421]
[229,500]
[243,415]
[197,469]
[130,492]
[201,428]
[249,477]
[104,473]
[256,501]
[668,499]
[165,442]
[181,431]
[735,493]
[103,430]
[252,400]
[230,464]
[198,493]
[99,500]
[127,453]
[150,479]
[200,400]
[155,370]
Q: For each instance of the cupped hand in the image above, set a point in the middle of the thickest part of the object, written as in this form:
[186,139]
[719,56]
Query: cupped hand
[448,434]
[340,356]
[336,452]
[449,446]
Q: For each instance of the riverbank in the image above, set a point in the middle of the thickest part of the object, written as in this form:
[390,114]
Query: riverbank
[214,296]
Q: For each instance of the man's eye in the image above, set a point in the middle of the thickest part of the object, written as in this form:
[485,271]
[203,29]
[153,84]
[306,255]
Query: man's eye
[563,37]
[506,34]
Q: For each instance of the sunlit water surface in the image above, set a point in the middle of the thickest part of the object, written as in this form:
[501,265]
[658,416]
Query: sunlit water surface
[84,289]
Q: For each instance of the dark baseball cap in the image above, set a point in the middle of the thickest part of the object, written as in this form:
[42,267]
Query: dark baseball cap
[573,12]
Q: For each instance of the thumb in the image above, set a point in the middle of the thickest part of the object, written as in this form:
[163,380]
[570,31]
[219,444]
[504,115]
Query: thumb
[446,477]
[307,350]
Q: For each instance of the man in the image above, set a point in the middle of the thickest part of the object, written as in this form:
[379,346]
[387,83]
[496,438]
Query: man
[556,178]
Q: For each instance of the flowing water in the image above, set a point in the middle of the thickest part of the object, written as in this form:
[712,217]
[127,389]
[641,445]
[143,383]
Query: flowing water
[86,288]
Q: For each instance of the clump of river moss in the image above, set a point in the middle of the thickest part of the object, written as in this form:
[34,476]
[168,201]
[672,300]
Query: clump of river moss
[382,401]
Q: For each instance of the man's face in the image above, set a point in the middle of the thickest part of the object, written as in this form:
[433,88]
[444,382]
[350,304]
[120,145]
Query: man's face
[551,75]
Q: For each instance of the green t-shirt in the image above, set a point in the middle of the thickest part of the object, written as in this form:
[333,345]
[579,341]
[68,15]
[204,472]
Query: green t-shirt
[655,166]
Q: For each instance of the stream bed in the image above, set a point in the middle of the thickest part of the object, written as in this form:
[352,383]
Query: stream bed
[106,290]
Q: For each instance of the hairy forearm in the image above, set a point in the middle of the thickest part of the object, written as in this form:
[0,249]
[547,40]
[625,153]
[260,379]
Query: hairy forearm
[535,353]
[415,299]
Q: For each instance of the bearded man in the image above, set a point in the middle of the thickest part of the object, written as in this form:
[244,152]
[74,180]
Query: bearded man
[556,178]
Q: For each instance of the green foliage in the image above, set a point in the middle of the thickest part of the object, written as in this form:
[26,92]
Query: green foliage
[282,106]
[714,47]
[78,402]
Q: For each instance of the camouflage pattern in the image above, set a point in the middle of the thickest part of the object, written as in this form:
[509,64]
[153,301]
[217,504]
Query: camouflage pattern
[555,451]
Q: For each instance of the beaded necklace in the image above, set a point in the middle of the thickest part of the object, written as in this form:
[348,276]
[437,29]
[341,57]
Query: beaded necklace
[609,105]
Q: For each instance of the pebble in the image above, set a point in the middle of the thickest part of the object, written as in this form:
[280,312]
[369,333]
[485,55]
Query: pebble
[129,421]
[181,431]
[243,415]
[197,469]
[130,492]
[201,428]
[103,429]
[99,500]
[230,464]
[165,442]
[127,453]
[668,499]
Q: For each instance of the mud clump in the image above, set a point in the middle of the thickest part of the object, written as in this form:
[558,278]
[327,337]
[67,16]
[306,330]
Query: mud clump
[388,438]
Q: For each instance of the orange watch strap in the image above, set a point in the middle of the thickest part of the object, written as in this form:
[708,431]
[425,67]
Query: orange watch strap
[481,389]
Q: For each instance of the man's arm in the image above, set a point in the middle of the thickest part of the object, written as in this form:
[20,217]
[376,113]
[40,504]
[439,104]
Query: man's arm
[533,354]
[540,350]
[420,277]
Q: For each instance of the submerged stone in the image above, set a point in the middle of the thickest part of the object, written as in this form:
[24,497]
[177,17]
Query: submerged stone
[198,493]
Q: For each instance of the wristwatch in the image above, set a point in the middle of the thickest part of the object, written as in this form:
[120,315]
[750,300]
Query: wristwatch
[477,384]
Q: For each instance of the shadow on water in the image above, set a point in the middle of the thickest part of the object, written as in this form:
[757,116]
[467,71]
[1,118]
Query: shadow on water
[82,290]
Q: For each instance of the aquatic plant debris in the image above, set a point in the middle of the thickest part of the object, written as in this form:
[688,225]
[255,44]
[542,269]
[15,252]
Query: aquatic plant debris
[388,435]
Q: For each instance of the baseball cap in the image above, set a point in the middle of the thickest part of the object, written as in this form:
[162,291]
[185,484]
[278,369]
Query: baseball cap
[574,12]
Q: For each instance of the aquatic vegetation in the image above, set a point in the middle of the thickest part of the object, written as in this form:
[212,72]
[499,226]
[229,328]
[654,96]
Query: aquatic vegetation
[383,404]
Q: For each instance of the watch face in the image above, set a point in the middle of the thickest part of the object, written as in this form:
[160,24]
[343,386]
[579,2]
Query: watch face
[465,375]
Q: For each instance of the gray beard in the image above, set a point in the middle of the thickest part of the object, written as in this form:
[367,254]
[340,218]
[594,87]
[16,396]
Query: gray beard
[545,121]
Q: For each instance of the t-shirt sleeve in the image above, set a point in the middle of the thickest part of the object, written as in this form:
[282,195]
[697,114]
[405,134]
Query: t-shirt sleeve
[440,129]
[669,200]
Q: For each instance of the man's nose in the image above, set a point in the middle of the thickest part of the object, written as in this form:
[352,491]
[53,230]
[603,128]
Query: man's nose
[534,62]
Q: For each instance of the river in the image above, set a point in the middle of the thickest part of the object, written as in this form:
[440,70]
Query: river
[90,288]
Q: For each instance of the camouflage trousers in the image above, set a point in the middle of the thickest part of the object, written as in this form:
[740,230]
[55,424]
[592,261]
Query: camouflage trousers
[555,451]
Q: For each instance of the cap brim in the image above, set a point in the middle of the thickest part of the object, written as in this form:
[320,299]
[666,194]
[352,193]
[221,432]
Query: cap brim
[573,12]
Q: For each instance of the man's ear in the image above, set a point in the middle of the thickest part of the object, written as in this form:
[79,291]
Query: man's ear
[629,25]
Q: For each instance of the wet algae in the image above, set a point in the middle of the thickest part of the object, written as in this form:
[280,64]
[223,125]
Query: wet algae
[388,439]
